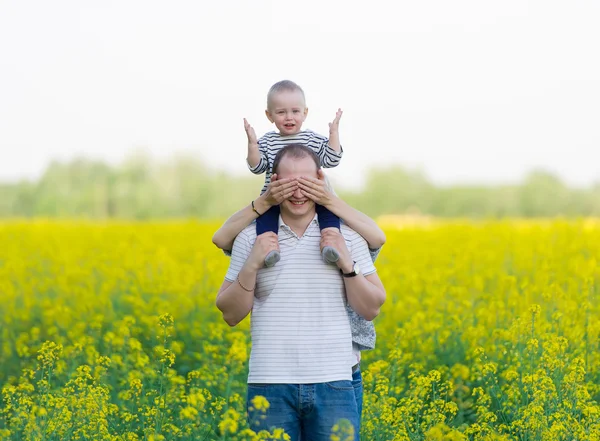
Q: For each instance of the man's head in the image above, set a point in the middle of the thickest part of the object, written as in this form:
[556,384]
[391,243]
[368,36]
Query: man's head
[286,107]
[294,161]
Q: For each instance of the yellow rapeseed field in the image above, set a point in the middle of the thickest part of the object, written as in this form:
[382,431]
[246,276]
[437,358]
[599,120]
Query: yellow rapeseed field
[108,331]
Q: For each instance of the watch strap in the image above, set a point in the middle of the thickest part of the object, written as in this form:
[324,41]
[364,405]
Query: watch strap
[353,273]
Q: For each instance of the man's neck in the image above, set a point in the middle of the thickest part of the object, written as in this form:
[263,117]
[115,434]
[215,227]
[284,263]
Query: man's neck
[298,225]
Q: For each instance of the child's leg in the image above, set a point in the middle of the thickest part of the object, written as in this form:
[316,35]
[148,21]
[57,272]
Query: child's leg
[269,221]
[328,220]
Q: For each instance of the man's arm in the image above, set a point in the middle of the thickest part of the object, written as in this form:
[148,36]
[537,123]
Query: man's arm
[235,301]
[236,296]
[365,294]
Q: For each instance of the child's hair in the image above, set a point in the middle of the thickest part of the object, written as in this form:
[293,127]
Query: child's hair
[283,86]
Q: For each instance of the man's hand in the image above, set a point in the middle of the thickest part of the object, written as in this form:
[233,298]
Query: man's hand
[335,239]
[279,190]
[250,133]
[316,189]
[334,126]
[265,243]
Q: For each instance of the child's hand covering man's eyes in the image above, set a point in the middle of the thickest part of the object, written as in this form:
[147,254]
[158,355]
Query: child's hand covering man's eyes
[315,189]
[280,189]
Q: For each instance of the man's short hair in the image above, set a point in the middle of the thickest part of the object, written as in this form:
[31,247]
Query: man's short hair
[295,151]
[283,86]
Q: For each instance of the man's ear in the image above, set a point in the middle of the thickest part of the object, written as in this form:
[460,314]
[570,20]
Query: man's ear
[269,117]
[274,177]
[320,174]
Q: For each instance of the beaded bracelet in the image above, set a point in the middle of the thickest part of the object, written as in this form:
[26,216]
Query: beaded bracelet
[254,209]
[243,287]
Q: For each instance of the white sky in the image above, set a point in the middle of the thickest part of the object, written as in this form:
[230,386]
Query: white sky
[466,90]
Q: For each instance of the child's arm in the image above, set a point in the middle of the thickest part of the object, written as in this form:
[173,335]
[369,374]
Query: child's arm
[329,150]
[277,191]
[256,159]
[334,132]
[316,190]
[225,236]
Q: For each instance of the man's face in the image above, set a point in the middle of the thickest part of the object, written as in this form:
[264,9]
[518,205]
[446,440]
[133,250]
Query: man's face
[297,205]
[287,111]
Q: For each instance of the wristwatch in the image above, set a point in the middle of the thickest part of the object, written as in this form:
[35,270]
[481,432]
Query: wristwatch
[355,271]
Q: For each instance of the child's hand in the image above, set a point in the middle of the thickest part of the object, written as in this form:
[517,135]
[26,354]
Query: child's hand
[279,190]
[334,126]
[252,140]
[315,189]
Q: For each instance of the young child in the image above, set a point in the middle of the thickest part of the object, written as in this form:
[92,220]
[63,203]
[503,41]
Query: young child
[286,108]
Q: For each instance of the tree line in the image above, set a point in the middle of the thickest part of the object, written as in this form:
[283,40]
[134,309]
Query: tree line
[141,188]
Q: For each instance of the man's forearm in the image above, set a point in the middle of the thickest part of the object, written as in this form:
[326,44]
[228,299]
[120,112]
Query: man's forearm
[235,301]
[364,296]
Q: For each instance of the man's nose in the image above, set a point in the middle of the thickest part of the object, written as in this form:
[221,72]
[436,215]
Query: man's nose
[298,194]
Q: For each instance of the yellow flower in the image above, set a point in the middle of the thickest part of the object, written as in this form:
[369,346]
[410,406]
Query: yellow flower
[260,403]
[228,425]
[487,334]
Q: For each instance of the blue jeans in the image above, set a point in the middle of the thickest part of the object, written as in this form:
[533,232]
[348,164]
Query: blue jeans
[358,393]
[304,411]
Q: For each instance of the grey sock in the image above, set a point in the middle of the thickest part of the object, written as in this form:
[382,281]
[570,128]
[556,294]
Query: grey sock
[330,254]
[272,258]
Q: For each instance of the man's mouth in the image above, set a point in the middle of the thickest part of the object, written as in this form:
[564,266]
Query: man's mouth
[298,202]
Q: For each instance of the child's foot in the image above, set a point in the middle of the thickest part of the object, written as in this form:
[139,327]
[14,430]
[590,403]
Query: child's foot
[272,258]
[330,254]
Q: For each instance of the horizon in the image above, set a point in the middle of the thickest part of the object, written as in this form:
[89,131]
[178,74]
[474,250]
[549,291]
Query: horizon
[468,92]
[164,161]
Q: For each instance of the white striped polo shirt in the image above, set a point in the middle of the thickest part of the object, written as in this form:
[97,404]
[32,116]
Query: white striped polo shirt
[299,324]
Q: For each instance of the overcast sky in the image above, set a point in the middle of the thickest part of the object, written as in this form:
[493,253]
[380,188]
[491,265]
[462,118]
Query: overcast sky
[469,91]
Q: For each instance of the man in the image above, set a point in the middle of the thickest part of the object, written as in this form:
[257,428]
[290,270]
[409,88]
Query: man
[301,359]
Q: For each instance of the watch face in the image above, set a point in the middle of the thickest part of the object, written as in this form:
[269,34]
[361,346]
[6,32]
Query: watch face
[356,268]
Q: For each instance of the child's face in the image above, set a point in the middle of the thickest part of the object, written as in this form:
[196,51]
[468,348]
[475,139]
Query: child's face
[287,111]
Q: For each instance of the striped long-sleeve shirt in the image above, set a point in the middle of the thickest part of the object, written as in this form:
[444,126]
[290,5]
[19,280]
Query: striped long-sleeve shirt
[272,142]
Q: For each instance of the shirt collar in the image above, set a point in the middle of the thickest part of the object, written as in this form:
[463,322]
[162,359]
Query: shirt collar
[282,223]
